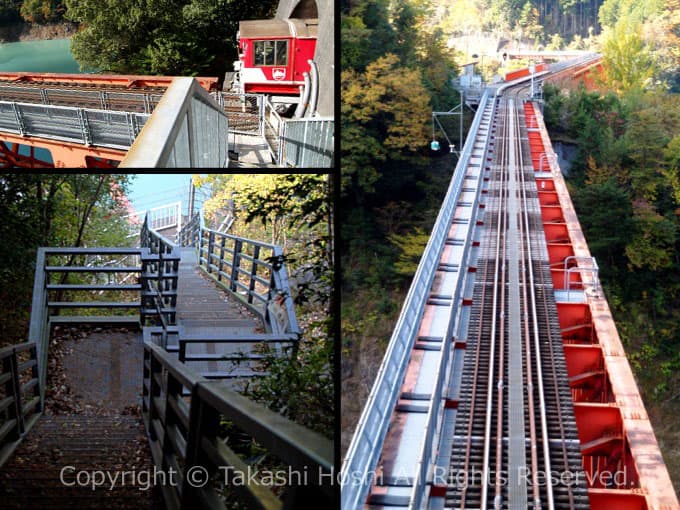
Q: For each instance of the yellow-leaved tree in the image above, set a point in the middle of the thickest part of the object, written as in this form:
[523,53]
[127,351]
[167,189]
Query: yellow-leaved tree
[385,115]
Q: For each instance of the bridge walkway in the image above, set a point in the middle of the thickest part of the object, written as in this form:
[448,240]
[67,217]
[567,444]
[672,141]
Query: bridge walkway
[204,311]
[86,428]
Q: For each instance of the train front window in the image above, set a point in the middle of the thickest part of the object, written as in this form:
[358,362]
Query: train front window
[271,53]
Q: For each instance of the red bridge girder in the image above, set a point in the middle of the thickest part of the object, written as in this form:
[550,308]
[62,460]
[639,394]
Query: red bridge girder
[94,80]
[614,430]
[64,154]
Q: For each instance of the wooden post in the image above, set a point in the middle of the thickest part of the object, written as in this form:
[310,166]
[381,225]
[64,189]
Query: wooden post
[204,422]
[211,247]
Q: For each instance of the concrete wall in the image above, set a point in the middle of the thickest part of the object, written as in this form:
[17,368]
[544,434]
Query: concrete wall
[325,45]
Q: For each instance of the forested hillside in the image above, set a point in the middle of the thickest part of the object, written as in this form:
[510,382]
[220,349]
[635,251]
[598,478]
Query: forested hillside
[32,11]
[396,69]
[537,20]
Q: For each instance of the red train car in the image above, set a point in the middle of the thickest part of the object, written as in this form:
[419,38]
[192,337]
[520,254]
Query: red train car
[274,54]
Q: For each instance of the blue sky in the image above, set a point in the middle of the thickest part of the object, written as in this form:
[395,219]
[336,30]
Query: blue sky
[147,191]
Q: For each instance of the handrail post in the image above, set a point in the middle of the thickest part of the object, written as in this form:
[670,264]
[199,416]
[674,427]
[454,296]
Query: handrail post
[144,282]
[203,424]
[201,239]
[221,262]
[155,368]
[39,331]
[235,263]
[172,285]
[211,247]
[253,273]
[13,389]
[161,282]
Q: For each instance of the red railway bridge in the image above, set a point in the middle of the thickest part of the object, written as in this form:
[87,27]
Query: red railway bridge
[505,383]
[106,121]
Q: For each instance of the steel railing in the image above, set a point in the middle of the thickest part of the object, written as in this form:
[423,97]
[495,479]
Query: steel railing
[187,129]
[253,271]
[272,129]
[365,447]
[99,273]
[116,130]
[307,143]
[20,402]
[184,414]
[159,280]
[140,102]
[160,218]
[584,266]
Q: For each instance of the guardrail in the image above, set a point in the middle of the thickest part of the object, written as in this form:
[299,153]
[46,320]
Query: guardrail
[116,130]
[362,455]
[306,143]
[184,415]
[20,401]
[583,266]
[159,278]
[140,102]
[160,218]
[272,129]
[253,271]
[187,129]
[106,271]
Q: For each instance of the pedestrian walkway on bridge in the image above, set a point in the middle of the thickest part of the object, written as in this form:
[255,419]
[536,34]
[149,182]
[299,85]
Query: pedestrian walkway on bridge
[206,313]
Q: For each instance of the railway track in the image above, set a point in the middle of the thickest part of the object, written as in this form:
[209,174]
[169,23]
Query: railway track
[515,428]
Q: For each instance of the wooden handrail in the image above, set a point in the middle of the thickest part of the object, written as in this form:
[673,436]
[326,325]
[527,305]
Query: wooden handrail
[166,415]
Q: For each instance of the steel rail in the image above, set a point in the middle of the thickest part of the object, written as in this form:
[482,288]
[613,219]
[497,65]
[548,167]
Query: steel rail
[539,366]
[528,282]
[503,224]
[553,368]
[478,346]
[489,399]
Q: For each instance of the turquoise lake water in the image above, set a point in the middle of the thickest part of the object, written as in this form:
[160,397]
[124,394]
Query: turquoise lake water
[53,56]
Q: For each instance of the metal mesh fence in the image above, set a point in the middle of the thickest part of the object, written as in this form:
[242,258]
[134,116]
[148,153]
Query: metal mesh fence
[8,118]
[91,127]
[52,122]
[139,102]
[307,143]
